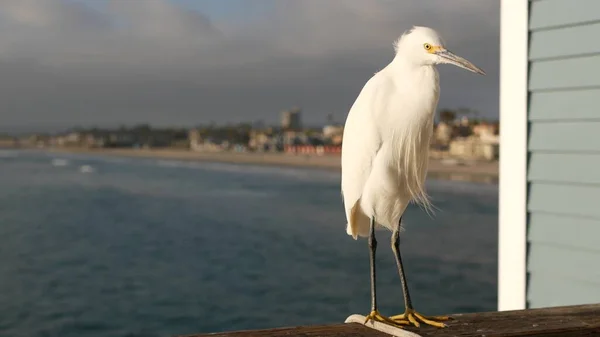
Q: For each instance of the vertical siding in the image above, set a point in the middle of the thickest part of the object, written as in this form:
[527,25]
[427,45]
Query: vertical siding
[564,153]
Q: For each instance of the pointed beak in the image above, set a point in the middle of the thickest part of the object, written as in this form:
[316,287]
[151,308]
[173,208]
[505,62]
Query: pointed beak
[451,58]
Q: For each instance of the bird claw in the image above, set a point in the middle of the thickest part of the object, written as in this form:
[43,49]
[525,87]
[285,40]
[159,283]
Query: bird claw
[411,317]
[377,317]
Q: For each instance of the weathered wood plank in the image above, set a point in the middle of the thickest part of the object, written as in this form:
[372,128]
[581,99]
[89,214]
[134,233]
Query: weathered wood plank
[570,168]
[564,42]
[335,330]
[564,105]
[566,231]
[564,199]
[543,259]
[571,73]
[570,321]
[558,13]
[573,289]
[565,137]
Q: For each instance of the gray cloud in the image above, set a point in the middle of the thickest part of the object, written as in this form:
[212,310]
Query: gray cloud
[63,62]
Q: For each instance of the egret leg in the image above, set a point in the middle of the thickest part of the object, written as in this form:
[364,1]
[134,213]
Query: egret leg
[374,315]
[410,316]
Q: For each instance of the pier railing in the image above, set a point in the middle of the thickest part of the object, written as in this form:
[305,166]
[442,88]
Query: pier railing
[567,321]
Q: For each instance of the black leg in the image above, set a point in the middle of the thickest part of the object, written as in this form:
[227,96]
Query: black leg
[396,249]
[374,315]
[410,316]
[373,248]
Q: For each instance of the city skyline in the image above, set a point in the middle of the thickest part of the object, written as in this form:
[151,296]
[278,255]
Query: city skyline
[177,62]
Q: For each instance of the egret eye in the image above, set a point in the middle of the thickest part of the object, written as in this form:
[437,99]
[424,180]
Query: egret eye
[427,46]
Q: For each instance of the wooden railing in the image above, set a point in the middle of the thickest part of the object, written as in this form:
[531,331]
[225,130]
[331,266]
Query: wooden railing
[569,321]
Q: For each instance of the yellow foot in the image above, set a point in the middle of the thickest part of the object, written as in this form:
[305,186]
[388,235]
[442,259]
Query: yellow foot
[411,317]
[376,316]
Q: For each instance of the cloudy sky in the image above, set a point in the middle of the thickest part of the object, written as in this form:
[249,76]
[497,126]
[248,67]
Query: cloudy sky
[185,62]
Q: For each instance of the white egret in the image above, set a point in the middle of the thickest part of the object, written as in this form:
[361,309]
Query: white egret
[385,150]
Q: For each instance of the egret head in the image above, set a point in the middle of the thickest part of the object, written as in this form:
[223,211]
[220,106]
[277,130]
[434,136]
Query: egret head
[424,46]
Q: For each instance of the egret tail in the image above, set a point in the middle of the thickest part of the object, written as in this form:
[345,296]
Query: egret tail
[358,222]
[410,316]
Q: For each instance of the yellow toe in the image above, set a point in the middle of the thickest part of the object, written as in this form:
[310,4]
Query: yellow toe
[411,317]
[377,317]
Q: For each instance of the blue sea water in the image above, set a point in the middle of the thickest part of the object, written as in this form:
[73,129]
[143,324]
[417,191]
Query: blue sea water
[109,246]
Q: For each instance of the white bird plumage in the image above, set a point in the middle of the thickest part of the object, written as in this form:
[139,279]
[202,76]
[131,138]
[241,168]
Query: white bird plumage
[385,149]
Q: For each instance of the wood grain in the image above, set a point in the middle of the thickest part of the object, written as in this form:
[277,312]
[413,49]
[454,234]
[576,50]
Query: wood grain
[569,321]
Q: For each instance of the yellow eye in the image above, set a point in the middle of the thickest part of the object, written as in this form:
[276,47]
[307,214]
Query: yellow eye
[427,46]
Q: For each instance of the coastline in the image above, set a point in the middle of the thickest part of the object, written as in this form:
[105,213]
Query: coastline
[486,172]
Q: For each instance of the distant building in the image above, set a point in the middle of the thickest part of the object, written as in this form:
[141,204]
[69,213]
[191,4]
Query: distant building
[74,137]
[120,139]
[332,130]
[195,140]
[337,139]
[261,141]
[443,133]
[294,138]
[486,132]
[333,133]
[208,143]
[290,119]
[473,148]
[91,140]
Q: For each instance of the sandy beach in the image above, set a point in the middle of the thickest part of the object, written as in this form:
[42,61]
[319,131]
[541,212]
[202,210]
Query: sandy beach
[438,169]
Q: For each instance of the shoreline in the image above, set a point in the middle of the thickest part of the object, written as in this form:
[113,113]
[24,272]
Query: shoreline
[438,169]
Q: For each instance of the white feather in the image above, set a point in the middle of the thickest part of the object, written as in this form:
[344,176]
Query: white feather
[385,150]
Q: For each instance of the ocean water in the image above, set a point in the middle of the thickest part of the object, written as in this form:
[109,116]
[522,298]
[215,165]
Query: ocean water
[106,246]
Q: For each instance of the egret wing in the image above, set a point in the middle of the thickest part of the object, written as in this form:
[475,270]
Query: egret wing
[361,142]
